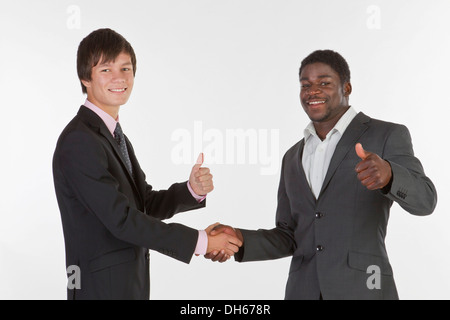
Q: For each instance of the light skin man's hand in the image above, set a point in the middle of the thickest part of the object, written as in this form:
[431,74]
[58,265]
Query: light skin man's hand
[222,256]
[201,179]
[373,172]
[221,242]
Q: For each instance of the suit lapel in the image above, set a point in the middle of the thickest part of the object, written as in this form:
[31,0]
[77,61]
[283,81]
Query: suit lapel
[347,143]
[96,122]
[301,171]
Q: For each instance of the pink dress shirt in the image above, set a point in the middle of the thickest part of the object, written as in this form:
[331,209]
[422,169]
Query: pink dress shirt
[110,122]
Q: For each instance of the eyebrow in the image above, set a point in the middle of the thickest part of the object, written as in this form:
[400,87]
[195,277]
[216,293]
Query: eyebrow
[107,64]
[320,77]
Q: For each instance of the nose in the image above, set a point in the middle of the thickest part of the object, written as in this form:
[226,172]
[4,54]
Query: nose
[313,90]
[118,77]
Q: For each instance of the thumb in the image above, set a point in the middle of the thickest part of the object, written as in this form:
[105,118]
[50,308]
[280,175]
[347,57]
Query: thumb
[211,227]
[363,154]
[199,161]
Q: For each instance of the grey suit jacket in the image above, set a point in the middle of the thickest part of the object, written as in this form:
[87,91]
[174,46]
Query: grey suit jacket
[336,239]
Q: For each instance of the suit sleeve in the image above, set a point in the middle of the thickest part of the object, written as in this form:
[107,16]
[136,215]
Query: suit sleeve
[410,188]
[164,204]
[84,163]
[275,243]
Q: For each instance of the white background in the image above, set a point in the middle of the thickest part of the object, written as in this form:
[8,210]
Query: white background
[229,64]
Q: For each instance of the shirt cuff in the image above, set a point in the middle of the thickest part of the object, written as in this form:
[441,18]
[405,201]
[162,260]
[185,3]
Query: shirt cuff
[202,243]
[197,197]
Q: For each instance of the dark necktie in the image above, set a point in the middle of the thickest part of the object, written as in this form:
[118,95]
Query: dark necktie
[120,138]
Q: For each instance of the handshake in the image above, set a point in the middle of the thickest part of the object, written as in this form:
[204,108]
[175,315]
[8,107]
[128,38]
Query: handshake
[223,242]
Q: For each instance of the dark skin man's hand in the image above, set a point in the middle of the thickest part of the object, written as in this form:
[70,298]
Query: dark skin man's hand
[373,172]
[221,256]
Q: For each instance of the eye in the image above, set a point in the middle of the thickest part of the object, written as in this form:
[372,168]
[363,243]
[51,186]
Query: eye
[126,69]
[324,83]
[105,70]
[305,85]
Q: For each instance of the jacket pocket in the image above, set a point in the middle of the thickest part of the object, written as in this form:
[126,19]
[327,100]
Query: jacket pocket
[362,262]
[111,259]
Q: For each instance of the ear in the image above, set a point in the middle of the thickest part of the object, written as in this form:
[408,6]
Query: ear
[347,89]
[86,83]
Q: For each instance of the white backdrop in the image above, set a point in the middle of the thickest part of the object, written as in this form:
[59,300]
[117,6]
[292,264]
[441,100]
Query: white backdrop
[208,69]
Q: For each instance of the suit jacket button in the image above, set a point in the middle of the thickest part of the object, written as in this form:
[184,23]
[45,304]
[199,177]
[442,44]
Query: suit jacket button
[319,248]
[319,215]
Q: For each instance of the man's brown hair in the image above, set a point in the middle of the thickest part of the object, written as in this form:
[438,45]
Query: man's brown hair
[104,44]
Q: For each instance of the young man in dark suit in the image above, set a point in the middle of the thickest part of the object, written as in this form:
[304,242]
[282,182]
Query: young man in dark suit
[334,197]
[111,216]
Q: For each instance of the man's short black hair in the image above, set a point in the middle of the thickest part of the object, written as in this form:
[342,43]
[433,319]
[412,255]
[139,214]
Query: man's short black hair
[331,58]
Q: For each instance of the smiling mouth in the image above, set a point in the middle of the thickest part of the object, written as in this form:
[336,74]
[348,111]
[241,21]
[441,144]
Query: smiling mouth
[120,90]
[316,102]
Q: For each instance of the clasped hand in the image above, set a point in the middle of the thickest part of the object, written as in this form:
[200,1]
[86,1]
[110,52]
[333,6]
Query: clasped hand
[222,243]
[223,233]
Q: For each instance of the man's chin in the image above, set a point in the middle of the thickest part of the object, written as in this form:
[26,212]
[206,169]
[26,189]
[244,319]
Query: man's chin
[317,117]
[122,101]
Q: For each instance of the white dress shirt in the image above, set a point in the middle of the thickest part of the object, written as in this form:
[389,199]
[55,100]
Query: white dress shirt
[317,154]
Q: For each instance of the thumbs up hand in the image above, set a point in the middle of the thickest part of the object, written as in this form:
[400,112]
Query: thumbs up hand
[201,179]
[373,172]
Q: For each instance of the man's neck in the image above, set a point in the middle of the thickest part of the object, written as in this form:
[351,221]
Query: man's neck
[113,111]
[324,127]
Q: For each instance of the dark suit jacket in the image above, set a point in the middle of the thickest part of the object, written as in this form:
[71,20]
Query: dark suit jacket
[110,219]
[336,238]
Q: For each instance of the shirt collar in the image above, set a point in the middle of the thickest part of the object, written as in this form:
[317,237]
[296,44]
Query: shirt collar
[340,126]
[109,121]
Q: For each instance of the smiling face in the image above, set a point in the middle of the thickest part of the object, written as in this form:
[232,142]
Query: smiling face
[111,84]
[324,98]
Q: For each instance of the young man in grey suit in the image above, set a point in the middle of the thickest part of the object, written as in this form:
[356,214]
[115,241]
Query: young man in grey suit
[111,216]
[334,196]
